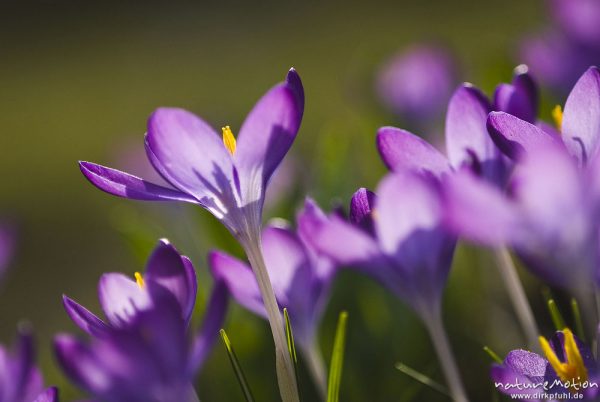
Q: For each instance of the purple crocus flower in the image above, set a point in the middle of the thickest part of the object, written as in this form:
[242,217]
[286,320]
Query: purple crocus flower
[568,366]
[225,176]
[549,216]
[416,83]
[20,380]
[7,246]
[301,280]
[468,143]
[568,46]
[141,351]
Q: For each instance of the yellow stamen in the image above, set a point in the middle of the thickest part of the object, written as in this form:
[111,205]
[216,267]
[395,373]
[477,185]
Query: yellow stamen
[573,368]
[228,139]
[557,116]
[140,280]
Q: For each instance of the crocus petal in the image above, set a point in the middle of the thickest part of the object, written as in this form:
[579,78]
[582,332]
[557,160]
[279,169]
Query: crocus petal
[515,136]
[212,322]
[361,209]
[401,149]
[466,133]
[581,118]
[83,318]
[125,185]
[49,395]
[519,98]
[520,367]
[239,280]
[478,210]
[176,273]
[121,298]
[192,157]
[267,134]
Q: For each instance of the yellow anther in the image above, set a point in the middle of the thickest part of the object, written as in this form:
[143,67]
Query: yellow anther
[557,116]
[573,368]
[139,280]
[228,139]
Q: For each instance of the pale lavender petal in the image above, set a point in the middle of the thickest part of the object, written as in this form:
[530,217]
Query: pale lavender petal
[239,279]
[212,322]
[192,157]
[579,19]
[176,273]
[361,209]
[49,395]
[83,318]
[479,211]
[267,134]
[125,185]
[581,118]
[515,136]
[121,298]
[401,149]
[467,135]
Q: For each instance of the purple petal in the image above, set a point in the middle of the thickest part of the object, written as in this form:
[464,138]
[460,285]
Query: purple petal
[83,318]
[467,135]
[191,156]
[526,363]
[361,209]
[520,367]
[174,272]
[239,279]
[121,298]
[478,210]
[581,118]
[267,134]
[518,98]
[515,136]
[7,247]
[125,185]
[49,395]
[401,149]
[212,322]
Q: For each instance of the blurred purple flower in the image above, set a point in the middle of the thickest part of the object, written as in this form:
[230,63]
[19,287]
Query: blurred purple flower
[560,53]
[7,246]
[566,359]
[416,83]
[141,352]
[20,380]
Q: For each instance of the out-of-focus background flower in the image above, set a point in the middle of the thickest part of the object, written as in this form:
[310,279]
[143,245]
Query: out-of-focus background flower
[78,81]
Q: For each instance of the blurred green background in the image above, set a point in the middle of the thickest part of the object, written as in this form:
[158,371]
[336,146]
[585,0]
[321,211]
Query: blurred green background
[78,80]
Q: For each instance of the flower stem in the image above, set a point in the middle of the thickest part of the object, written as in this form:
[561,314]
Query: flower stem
[442,347]
[517,296]
[286,376]
[316,367]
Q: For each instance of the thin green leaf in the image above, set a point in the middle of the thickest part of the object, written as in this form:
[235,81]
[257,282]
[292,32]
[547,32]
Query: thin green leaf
[237,368]
[337,360]
[492,354]
[422,378]
[577,318]
[557,318]
[292,347]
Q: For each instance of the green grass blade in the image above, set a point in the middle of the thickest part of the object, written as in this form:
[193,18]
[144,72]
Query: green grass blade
[292,347]
[422,378]
[492,354]
[237,368]
[337,360]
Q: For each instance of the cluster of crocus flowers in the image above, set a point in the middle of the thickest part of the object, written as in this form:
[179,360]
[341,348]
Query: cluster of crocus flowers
[567,367]
[142,351]
[301,279]
[226,176]
[20,379]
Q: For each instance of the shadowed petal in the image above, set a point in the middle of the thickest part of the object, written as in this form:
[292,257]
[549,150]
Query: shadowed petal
[125,185]
[121,298]
[520,98]
[212,322]
[361,209]
[267,134]
[515,136]
[176,273]
[581,118]
[239,279]
[400,149]
[83,318]
[190,155]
